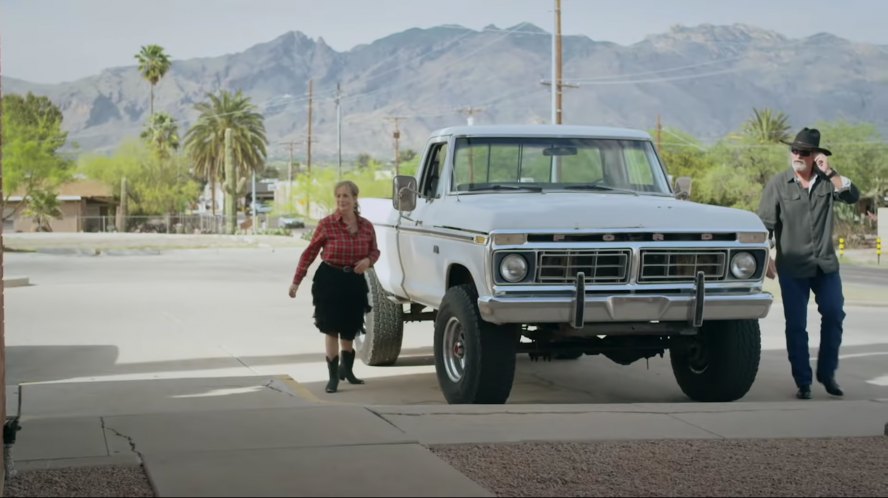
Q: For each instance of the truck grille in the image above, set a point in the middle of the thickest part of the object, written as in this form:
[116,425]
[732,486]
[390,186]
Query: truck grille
[599,266]
[681,266]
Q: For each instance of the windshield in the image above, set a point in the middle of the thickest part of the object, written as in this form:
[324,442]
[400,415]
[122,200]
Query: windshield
[574,164]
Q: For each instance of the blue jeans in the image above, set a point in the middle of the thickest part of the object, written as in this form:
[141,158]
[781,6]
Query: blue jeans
[827,288]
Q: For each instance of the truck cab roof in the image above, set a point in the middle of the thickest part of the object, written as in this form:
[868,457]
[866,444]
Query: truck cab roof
[560,131]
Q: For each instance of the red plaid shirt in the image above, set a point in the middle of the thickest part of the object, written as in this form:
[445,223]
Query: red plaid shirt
[341,248]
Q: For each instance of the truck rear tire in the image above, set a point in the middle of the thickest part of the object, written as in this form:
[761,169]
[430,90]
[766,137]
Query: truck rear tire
[383,325]
[721,362]
[474,360]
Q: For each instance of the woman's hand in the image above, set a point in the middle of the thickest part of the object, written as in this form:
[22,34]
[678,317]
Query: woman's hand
[771,272]
[293,289]
[362,266]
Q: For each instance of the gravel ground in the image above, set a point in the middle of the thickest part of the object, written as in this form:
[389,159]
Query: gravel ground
[105,480]
[725,467]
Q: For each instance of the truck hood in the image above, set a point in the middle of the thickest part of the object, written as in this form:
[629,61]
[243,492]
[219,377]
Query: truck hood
[555,211]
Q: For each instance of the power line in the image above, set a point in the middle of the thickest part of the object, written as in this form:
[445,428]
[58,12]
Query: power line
[658,71]
[665,78]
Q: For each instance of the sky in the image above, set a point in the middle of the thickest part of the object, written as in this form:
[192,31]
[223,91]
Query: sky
[50,41]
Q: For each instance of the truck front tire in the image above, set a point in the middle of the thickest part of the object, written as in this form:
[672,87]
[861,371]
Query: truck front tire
[384,327]
[474,360]
[720,363]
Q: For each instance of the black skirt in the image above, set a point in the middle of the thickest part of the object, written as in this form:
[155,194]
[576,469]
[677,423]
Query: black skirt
[340,299]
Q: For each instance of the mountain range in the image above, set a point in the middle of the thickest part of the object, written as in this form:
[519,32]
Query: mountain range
[704,80]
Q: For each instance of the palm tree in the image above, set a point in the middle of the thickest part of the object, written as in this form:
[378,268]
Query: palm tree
[153,64]
[767,127]
[162,134]
[205,141]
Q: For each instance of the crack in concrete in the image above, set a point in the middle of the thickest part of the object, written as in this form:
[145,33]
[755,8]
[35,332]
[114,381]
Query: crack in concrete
[389,422]
[621,412]
[275,389]
[695,426]
[132,443]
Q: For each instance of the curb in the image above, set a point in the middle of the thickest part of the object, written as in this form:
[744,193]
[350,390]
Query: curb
[16,281]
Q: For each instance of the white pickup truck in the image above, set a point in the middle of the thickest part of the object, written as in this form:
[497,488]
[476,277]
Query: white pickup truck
[558,241]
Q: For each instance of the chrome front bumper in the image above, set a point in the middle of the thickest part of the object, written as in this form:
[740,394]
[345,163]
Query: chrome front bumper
[623,308]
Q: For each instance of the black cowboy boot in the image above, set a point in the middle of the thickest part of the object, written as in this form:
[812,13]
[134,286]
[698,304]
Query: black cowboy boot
[333,370]
[345,370]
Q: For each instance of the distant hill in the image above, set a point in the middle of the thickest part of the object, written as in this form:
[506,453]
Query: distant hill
[704,80]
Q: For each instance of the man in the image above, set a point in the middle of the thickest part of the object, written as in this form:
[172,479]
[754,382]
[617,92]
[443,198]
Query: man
[797,208]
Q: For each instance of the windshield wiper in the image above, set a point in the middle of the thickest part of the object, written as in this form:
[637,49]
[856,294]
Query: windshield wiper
[593,186]
[498,186]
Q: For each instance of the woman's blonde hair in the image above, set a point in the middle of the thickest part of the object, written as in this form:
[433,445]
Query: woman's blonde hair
[353,188]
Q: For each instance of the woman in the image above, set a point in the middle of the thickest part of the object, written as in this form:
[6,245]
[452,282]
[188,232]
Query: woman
[339,290]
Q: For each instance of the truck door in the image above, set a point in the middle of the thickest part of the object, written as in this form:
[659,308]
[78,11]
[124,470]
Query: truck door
[420,244]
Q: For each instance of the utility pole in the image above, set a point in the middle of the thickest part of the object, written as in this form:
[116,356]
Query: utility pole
[557,84]
[308,160]
[659,135]
[470,112]
[557,114]
[397,136]
[556,77]
[339,131]
[290,145]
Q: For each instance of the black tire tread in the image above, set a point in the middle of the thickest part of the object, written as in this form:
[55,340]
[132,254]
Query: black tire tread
[734,348]
[491,383]
[382,345]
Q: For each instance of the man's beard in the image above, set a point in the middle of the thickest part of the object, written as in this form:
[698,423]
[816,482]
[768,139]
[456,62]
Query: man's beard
[798,165]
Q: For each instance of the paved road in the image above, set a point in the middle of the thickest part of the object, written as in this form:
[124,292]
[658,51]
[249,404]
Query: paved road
[866,275]
[215,313]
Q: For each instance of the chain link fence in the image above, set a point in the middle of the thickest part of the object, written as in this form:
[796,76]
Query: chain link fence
[182,224]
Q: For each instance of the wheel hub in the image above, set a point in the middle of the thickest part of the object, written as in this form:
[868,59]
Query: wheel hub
[454,349]
[459,349]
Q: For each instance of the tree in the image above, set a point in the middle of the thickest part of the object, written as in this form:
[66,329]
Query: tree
[363,160]
[684,155]
[859,153]
[406,155]
[153,64]
[756,153]
[32,135]
[161,133]
[154,185]
[43,205]
[767,127]
[205,141]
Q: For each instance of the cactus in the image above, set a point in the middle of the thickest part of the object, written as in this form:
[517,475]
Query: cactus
[121,210]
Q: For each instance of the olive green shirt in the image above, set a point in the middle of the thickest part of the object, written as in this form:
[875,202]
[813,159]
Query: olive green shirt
[802,222]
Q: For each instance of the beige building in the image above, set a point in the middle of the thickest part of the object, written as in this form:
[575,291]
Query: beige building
[86,206]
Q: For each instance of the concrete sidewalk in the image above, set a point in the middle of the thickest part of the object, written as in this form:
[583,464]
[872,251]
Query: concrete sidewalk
[263,436]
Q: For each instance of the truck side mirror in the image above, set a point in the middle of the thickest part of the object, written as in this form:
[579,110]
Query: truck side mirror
[404,193]
[683,187]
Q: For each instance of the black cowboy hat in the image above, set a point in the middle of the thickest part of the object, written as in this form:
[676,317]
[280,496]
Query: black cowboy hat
[808,139]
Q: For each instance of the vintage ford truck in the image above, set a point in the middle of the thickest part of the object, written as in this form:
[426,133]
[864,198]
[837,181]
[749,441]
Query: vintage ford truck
[559,241]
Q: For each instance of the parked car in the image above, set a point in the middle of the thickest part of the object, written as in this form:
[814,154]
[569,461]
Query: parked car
[291,221]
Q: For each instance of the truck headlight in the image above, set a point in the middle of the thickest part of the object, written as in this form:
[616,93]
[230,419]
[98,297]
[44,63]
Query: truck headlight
[513,268]
[743,265]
